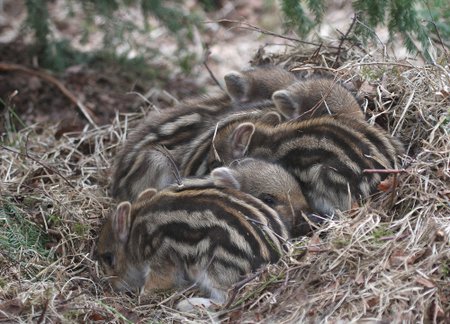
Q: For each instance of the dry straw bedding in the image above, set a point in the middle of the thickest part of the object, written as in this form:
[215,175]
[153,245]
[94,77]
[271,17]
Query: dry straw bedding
[387,260]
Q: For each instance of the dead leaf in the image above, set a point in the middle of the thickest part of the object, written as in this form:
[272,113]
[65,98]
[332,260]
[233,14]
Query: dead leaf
[67,126]
[397,258]
[387,184]
[97,317]
[373,301]
[311,312]
[13,307]
[415,256]
[367,89]
[400,257]
[436,311]
[444,92]
[445,193]
[360,279]
[355,205]
[234,316]
[314,244]
[425,282]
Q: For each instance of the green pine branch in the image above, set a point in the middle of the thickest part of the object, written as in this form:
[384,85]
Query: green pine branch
[415,21]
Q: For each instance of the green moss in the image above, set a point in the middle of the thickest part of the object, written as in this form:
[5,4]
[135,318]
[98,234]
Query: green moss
[271,279]
[20,236]
[372,74]
[382,231]
[54,220]
[444,268]
[340,243]
[81,229]
[115,312]
[12,122]
[446,121]
[186,62]
[73,315]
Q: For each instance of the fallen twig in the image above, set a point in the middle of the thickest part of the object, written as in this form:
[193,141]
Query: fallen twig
[173,164]
[42,316]
[38,162]
[343,38]
[205,63]
[387,171]
[246,25]
[239,285]
[43,75]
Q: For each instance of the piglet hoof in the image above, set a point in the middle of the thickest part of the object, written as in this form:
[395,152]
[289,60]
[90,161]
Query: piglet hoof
[191,305]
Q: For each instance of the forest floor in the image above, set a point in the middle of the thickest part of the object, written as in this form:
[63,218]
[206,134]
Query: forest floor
[232,34]
[385,261]
[106,86]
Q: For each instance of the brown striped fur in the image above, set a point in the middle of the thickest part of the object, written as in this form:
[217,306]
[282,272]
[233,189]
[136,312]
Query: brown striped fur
[194,156]
[140,164]
[204,232]
[327,155]
[273,185]
[257,83]
[315,97]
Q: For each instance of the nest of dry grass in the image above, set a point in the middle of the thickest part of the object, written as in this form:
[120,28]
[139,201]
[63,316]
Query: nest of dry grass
[385,261]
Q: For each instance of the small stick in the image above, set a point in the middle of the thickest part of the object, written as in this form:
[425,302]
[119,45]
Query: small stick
[55,82]
[375,63]
[239,285]
[265,32]
[384,171]
[391,200]
[148,102]
[306,68]
[42,316]
[390,238]
[205,63]
[373,32]
[438,35]
[173,165]
[436,29]
[323,100]
[38,162]
[402,116]
[65,302]
[344,37]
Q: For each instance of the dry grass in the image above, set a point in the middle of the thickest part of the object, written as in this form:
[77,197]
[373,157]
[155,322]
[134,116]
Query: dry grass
[388,260]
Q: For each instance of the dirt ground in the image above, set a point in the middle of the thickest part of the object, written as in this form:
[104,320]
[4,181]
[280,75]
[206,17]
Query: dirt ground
[106,88]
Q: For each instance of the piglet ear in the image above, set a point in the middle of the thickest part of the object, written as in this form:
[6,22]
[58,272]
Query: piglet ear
[271,118]
[122,221]
[237,85]
[223,177]
[240,139]
[147,194]
[285,103]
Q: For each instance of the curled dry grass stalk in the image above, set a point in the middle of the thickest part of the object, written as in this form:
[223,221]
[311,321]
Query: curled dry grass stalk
[386,260]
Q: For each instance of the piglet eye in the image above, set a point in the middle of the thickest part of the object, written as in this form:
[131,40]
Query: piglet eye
[108,259]
[268,199]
